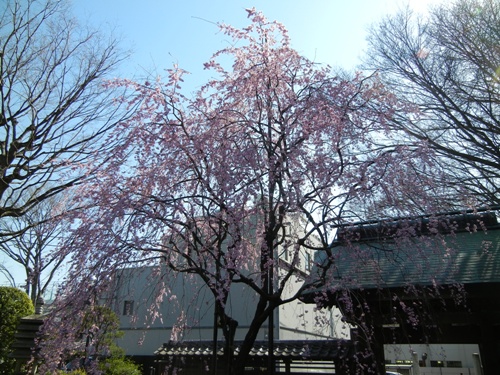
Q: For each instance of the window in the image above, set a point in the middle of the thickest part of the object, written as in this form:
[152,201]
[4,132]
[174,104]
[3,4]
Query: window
[404,361]
[308,261]
[437,364]
[286,241]
[454,364]
[285,253]
[128,307]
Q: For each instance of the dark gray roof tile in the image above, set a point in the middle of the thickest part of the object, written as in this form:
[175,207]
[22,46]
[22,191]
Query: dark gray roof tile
[314,350]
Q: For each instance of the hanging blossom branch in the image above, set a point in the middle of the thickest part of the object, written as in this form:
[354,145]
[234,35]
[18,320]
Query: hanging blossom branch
[271,155]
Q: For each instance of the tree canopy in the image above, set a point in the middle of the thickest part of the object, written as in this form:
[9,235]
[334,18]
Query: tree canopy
[446,65]
[208,185]
[54,106]
[55,113]
[34,249]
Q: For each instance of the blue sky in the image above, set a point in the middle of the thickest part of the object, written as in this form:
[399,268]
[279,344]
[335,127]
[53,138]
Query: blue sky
[163,32]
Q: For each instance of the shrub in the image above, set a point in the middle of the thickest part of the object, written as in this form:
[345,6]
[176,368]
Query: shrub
[119,366]
[14,304]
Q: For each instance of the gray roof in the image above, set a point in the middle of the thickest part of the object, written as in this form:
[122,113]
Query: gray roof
[303,349]
[465,257]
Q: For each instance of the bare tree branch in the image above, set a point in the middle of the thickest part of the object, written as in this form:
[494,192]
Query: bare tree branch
[54,107]
[446,65]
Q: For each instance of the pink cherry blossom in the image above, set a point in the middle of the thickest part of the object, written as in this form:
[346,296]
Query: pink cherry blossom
[205,184]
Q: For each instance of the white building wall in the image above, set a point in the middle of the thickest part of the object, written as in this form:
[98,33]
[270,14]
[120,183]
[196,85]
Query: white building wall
[446,355]
[192,306]
[190,299]
[300,321]
[188,304]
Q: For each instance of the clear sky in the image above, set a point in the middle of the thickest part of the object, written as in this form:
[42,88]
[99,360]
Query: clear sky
[163,32]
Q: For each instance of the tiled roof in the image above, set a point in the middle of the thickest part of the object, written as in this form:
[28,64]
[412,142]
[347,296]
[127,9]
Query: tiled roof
[464,257]
[313,349]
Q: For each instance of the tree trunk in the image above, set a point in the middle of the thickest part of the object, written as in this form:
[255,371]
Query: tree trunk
[262,312]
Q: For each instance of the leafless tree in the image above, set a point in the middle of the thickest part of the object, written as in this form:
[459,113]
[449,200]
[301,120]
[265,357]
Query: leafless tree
[447,65]
[55,108]
[35,249]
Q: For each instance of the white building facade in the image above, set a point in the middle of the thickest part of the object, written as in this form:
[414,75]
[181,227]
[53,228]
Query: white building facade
[186,313]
